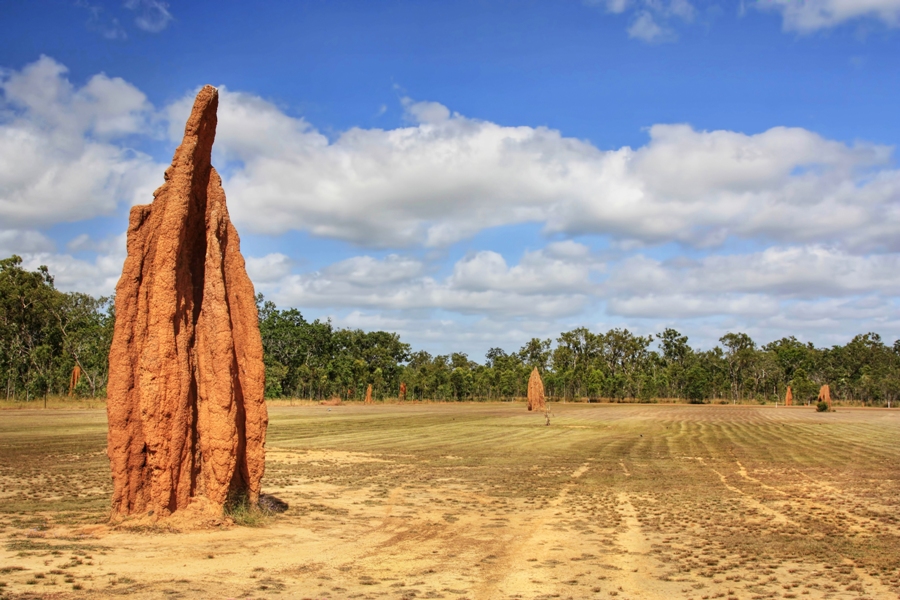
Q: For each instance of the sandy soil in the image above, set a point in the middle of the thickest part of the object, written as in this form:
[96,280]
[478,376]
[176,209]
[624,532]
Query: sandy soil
[484,501]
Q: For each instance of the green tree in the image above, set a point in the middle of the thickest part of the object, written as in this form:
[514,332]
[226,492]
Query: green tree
[697,386]
[740,352]
[30,340]
[536,353]
[676,357]
[86,325]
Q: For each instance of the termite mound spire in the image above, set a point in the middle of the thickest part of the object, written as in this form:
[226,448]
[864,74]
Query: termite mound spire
[187,419]
[536,400]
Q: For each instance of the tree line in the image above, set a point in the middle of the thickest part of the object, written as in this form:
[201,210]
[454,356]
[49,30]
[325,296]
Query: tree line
[45,333]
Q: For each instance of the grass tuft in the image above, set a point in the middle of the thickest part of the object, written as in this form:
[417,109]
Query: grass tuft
[245,513]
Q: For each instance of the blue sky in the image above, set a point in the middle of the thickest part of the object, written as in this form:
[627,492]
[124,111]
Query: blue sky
[475,173]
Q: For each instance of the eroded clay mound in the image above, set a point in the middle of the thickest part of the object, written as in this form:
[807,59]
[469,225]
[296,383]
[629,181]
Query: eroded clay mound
[536,399]
[186,377]
[788,397]
[825,395]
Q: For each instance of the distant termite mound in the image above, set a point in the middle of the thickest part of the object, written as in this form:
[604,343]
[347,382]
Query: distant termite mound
[187,420]
[369,394]
[788,397]
[402,396]
[825,395]
[73,379]
[536,399]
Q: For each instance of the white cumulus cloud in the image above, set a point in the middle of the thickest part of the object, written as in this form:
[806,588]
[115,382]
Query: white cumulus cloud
[807,16]
[551,282]
[651,20]
[449,176]
[97,276]
[645,28]
[795,272]
[820,215]
[15,241]
[269,268]
[151,15]
[781,288]
[58,157]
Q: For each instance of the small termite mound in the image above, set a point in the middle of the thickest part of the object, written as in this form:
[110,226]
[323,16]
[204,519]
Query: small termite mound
[825,396]
[536,400]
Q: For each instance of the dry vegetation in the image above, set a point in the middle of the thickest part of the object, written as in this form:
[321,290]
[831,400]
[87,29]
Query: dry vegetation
[484,501]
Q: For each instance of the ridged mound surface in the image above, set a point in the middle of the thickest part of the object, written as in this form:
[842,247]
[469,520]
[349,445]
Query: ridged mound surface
[186,377]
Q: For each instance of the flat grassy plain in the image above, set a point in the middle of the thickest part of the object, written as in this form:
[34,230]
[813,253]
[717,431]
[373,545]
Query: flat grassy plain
[484,501]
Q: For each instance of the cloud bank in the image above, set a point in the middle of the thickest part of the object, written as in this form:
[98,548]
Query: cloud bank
[448,176]
[812,15]
[657,21]
[775,232]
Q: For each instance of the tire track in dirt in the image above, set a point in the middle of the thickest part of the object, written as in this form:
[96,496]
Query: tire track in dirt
[628,570]
[864,523]
[531,536]
[871,582]
[634,554]
[742,471]
[883,591]
[394,497]
[750,500]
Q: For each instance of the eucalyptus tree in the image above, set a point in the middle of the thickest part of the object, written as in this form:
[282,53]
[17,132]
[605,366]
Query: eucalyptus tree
[86,327]
[676,359]
[740,352]
[30,341]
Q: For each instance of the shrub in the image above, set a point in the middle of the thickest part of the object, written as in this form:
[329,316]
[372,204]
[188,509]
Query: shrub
[822,407]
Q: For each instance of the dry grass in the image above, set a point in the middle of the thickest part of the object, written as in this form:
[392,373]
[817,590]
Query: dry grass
[485,501]
[54,403]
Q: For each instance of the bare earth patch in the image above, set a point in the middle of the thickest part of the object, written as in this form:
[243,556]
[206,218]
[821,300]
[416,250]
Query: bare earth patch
[484,501]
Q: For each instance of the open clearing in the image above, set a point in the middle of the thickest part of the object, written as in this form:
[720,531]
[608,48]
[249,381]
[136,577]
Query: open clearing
[484,501]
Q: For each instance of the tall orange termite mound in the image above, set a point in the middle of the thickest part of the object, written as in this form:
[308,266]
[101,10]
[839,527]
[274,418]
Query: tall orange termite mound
[825,395]
[369,394]
[73,379]
[187,420]
[788,397]
[402,396]
[536,391]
